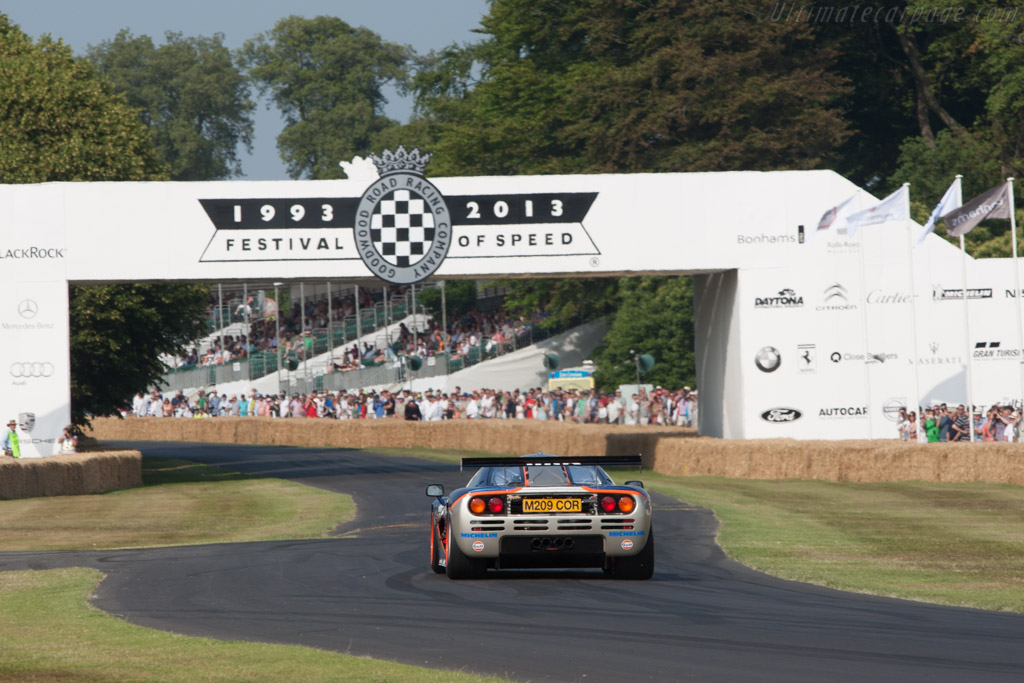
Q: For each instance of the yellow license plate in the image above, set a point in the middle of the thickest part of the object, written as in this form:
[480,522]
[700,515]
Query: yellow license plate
[551,505]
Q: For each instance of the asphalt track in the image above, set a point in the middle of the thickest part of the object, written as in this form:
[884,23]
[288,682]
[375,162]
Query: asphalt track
[370,592]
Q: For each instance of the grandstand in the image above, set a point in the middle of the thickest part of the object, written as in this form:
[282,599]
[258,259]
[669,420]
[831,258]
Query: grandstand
[315,352]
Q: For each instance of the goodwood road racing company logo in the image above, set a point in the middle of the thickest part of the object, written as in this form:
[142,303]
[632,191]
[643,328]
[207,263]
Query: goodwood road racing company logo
[403,227]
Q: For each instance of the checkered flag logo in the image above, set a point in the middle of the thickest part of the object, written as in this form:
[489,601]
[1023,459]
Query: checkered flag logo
[402,228]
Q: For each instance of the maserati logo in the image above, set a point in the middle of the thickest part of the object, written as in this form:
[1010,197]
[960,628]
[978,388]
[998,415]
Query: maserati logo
[28,308]
[403,228]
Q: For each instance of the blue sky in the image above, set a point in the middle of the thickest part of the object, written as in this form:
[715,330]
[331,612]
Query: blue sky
[425,25]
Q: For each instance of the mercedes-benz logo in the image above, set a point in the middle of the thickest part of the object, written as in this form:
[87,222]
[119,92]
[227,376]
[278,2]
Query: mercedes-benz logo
[28,308]
[19,370]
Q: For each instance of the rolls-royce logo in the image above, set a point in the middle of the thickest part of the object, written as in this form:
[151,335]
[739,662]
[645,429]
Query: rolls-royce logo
[781,415]
[403,228]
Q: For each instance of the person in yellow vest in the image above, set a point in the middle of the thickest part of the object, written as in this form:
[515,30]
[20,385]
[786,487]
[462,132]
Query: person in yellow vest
[10,443]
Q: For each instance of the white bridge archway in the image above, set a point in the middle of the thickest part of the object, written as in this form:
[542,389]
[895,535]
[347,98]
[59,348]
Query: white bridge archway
[838,315]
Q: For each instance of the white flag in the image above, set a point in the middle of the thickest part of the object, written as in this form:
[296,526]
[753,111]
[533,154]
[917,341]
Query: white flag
[953,199]
[831,218]
[895,207]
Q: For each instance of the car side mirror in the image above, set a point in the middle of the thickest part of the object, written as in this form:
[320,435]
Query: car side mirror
[435,490]
[635,482]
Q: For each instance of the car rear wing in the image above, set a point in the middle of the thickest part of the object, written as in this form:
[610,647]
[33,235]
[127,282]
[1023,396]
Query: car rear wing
[545,459]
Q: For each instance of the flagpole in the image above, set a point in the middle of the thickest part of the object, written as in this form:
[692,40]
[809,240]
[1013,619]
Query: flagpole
[864,324]
[1017,298]
[913,311]
[967,333]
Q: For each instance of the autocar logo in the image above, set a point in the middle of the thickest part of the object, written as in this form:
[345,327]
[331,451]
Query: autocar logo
[768,359]
[781,415]
[27,308]
[20,370]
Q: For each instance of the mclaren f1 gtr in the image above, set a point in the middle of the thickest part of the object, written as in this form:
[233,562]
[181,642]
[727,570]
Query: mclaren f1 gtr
[542,511]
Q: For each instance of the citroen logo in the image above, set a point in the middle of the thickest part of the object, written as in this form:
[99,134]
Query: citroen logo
[836,291]
[28,308]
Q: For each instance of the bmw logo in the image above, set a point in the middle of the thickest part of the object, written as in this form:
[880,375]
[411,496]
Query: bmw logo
[768,359]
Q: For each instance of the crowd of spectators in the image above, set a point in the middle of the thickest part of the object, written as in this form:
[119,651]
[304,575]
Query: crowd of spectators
[473,335]
[940,423]
[660,407]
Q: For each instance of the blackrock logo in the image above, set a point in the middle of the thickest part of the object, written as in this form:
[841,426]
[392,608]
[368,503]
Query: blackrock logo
[993,351]
[836,298]
[768,359]
[843,412]
[403,227]
[786,298]
[777,415]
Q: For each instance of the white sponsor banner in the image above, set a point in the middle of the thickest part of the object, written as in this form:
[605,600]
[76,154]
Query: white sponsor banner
[34,366]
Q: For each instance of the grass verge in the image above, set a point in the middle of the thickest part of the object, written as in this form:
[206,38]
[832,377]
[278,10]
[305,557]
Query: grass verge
[50,633]
[951,544]
[181,503]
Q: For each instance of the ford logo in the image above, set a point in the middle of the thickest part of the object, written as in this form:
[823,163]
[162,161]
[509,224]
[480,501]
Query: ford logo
[781,415]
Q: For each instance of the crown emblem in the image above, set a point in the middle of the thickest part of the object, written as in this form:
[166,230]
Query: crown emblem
[400,160]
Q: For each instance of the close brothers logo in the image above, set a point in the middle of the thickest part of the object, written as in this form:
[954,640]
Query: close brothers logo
[402,227]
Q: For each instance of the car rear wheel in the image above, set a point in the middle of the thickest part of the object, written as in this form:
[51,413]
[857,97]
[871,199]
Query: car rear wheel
[436,549]
[638,567]
[462,567]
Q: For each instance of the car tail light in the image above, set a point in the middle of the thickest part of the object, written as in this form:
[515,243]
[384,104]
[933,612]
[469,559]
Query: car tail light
[626,503]
[496,505]
[477,505]
[608,503]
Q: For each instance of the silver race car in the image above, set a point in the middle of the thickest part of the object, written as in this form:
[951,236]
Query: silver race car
[542,511]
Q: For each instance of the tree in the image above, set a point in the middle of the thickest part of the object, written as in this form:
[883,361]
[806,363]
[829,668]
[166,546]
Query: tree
[326,78]
[655,316]
[191,96]
[603,86]
[117,335]
[59,121]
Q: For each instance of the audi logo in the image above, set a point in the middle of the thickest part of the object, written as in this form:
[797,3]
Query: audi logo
[31,369]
